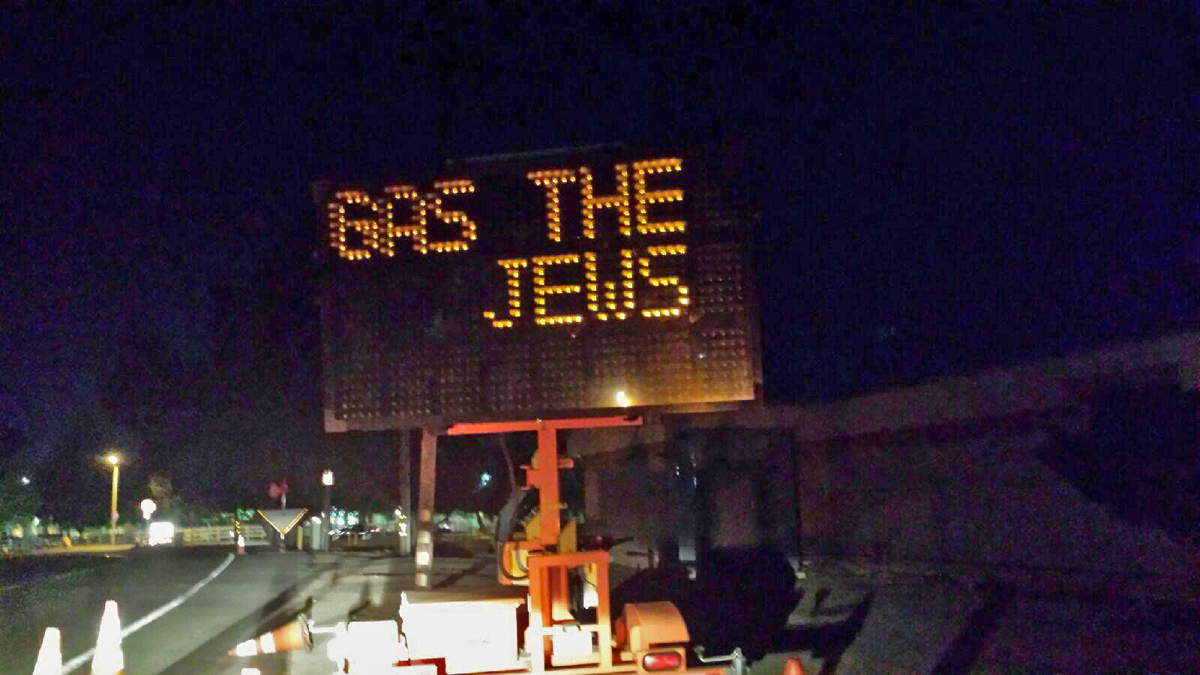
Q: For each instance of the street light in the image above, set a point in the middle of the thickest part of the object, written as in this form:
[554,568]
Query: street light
[327,481]
[115,461]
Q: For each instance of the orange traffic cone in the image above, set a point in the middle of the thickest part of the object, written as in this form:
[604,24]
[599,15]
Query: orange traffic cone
[295,635]
[792,666]
[109,659]
[50,655]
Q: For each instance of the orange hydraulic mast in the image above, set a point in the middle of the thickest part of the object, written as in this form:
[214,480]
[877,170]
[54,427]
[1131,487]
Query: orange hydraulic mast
[543,474]
[548,588]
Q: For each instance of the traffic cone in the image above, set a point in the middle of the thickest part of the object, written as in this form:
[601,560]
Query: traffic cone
[792,666]
[109,659]
[295,635]
[241,550]
[50,655]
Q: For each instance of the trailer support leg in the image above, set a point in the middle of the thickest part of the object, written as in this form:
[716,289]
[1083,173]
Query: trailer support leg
[425,494]
[404,478]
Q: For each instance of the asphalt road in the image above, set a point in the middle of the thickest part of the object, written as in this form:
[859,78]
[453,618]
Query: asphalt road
[225,600]
[836,619]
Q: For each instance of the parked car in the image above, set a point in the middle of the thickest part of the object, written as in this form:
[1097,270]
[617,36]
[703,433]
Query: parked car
[359,530]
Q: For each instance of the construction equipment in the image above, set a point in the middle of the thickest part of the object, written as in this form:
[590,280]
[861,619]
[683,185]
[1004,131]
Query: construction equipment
[485,635]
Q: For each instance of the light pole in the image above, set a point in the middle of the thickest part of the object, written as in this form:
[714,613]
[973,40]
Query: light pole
[327,514]
[114,460]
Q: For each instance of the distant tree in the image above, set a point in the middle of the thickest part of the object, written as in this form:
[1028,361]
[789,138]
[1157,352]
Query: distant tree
[472,480]
[506,452]
[162,490]
[19,497]
[19,502]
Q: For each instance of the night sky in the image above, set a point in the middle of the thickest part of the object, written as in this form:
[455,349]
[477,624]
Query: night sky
[942,188]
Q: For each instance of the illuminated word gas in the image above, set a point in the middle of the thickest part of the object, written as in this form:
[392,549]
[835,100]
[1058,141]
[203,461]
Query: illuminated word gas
[381,229]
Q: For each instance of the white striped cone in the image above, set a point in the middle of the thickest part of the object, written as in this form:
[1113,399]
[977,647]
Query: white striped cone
[109,659]
[49,660]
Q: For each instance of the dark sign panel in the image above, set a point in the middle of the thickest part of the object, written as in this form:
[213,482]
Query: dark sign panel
[540,284]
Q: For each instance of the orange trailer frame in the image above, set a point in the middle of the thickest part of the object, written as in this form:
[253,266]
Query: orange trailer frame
[548,590]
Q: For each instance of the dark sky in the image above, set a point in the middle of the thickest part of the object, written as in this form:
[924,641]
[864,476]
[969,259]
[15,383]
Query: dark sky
[942,187]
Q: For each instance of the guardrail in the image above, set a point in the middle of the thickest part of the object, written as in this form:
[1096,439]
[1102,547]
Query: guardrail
[207,535]
[222,535]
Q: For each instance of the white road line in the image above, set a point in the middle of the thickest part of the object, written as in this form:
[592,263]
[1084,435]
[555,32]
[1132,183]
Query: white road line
[75,663]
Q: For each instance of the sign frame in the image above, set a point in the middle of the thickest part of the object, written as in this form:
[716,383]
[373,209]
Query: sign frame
[723,190]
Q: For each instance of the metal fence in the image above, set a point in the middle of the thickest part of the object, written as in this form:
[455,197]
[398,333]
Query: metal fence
[222,535]
[209,535]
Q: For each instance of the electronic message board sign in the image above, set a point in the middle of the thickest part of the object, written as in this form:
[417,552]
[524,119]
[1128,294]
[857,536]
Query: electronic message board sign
[536,285]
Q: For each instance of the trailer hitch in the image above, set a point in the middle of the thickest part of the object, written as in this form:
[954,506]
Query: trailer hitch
[736,660]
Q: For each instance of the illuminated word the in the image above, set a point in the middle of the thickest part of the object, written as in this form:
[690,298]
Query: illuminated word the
[623,202]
